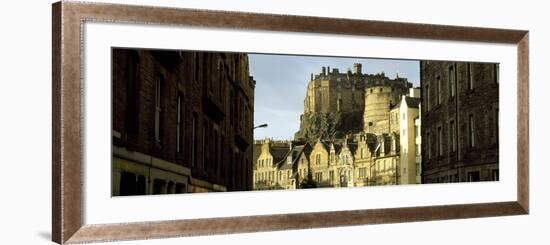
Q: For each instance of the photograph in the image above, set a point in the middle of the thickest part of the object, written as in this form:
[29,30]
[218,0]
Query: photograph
[196,121]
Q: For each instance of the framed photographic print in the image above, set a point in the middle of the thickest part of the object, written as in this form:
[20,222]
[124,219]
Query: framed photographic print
[177,122]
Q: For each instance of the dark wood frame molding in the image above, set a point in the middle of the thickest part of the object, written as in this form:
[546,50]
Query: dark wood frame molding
[68,18]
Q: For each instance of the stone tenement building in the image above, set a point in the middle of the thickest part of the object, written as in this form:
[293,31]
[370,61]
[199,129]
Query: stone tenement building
[376,145]
[361,159]
[278,164]
[181,122]
[459,121]
[336,103]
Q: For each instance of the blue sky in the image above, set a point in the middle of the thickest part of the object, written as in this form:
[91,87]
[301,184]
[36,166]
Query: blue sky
[281,82]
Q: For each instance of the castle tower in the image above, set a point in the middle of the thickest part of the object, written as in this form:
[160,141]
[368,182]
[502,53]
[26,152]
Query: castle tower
[357,68]
[378,102]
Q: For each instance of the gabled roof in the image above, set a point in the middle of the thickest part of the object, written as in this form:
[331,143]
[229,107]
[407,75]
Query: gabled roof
[295,153]
[352,148]
[337,148]
[325,144]
[307,149]
[279,153]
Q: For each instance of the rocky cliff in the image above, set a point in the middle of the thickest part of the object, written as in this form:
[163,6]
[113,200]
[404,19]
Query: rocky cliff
[328,126]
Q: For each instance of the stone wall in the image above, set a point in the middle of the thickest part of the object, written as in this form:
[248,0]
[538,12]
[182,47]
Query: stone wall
[459,121]
[202,119]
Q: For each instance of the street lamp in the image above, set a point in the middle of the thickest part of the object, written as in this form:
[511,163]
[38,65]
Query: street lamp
[261,126]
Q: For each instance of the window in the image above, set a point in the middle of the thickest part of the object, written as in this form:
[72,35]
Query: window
[222,78]
[362,173]
[197,67]
[319,177]
[428,145]
[222,155]
[452,81]
[473,176]
[331,176]
[470,75]
[495,73]
[417,149]
[204,144]
[471,130]
[440,141]
[428,98]
[438,78]
[244,122]
[318,159]
[217,147]
[159,186]
[452,135]
[158,109]
[127,184]
[208,60]
[179,124]
[170,188]
[403,116]
[418,169]
[194,140]
[131,120]
[497,118]
[362,153]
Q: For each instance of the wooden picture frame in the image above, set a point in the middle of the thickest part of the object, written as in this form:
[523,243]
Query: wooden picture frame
[68,19]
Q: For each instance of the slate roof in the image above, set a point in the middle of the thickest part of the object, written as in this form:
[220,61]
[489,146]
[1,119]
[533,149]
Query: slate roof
[279,153]
[296,151]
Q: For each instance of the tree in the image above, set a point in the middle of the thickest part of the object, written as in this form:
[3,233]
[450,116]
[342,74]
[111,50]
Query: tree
[308,182]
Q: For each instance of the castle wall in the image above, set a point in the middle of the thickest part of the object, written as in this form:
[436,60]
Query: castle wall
[335,92]
[378,101]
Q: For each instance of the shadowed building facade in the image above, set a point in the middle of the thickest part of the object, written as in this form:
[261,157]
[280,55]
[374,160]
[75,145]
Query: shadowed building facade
[181,122]
[459,121]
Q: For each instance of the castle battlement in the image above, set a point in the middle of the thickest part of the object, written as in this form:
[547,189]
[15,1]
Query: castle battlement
[334,91]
